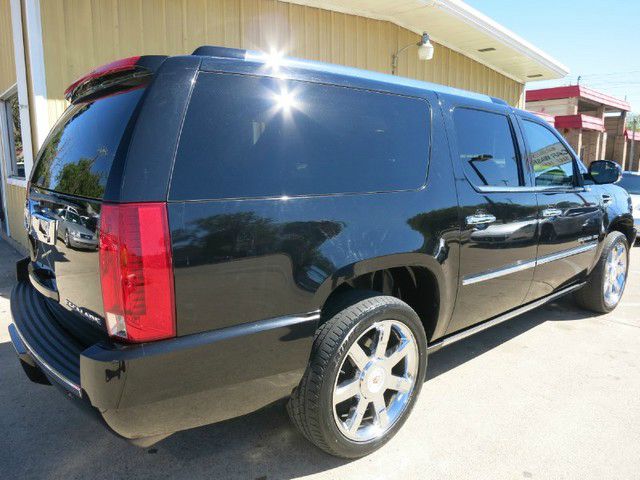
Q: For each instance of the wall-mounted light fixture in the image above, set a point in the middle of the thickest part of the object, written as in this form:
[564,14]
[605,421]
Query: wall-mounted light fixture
[425,52]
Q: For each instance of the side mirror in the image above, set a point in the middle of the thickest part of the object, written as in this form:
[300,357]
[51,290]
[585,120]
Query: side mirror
[605,171]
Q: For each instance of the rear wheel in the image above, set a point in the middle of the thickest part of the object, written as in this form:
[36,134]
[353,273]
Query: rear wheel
[607,281]
[366,371]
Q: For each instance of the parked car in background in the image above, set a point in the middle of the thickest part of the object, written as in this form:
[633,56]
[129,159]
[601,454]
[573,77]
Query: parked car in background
[297,230]
[630,181]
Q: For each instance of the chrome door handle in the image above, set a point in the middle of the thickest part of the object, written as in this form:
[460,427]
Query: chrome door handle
[606,199]
[551,212]
[480,219]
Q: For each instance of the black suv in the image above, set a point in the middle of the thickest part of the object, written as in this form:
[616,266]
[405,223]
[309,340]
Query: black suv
[271,227]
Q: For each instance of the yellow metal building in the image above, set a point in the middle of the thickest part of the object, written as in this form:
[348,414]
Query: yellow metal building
[46,44]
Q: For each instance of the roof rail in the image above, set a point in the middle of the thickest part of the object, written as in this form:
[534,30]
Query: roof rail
[222,52]
[499,101]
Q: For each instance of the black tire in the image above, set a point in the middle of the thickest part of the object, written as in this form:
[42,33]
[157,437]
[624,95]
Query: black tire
[591,296]
[310,406]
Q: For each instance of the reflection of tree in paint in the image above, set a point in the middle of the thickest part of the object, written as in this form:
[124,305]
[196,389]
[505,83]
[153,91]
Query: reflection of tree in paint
[226,237]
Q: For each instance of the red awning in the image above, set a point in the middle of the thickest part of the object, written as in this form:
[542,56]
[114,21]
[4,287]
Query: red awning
[576,91]
[583,122]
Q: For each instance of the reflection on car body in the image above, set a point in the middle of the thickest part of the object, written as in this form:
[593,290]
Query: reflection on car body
[75,230]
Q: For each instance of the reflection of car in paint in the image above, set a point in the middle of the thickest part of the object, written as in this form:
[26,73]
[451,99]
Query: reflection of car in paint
[74,229]
[512,232]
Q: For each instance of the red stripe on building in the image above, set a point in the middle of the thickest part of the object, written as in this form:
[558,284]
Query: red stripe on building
[576,91]
[585,122]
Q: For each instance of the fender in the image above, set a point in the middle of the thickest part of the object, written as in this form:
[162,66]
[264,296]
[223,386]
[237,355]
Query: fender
[434,265]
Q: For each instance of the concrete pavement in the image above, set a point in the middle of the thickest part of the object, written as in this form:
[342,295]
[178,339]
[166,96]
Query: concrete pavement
[552,394]
[8,258]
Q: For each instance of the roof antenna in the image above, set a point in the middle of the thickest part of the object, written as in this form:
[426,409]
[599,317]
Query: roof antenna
[579,77]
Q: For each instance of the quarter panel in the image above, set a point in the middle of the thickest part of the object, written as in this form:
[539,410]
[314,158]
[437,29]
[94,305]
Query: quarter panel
[245,260]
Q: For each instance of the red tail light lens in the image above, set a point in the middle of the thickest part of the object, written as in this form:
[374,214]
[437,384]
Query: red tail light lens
[136,271]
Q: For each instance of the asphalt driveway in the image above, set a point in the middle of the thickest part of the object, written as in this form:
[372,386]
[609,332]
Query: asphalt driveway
[551,394]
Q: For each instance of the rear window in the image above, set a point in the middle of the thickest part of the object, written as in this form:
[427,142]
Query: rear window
[250,136]
[80,151]
[486,148]
[631,183]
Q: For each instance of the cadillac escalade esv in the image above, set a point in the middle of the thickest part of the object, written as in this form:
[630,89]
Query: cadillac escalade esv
[213,232]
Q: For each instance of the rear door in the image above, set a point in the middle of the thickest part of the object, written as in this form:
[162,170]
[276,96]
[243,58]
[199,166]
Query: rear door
[498,211]
[65,199]
[571,214]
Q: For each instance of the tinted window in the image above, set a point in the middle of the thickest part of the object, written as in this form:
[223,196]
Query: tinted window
[552,163]
[252,136]
[631,183]
[486,149]
[78,155]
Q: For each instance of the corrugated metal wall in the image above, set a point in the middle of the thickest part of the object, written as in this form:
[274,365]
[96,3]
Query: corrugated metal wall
[79,35]
[7,63]
[16,197]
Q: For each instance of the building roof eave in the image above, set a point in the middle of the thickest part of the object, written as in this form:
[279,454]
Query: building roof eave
[460,27]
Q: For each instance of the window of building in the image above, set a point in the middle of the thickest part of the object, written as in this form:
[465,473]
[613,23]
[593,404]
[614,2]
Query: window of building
[486,148]
[13,136]
[551,161]
[248,136]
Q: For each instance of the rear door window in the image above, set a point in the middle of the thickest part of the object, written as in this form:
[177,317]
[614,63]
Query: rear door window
[486,148]
[80,151]
[248,136]
[551,161]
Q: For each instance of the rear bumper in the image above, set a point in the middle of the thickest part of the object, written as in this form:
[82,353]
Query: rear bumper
[162,387]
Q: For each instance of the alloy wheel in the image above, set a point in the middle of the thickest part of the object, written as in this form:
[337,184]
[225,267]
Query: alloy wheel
[615,274]
[376,380]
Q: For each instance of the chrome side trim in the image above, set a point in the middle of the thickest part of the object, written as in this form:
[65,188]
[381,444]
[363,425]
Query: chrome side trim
[566,253]
[501,318]
[66,383]
[509,269]
[525,189]
[519,266]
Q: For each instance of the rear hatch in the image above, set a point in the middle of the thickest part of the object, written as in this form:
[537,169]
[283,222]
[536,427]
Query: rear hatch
[83,153]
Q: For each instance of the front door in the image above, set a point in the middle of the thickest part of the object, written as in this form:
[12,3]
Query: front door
[498,213]
[571,215]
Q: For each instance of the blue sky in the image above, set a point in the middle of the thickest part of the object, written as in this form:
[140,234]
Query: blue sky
[599,40]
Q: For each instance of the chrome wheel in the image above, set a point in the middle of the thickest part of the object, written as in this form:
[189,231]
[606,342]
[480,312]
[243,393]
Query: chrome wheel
[375,381]
[615,276]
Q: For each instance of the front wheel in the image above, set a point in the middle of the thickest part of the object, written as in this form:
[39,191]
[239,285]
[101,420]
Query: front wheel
[366,370]
[606,283]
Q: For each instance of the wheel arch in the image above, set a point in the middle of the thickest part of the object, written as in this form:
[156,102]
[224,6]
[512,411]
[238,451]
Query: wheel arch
[417,279]
[624,225]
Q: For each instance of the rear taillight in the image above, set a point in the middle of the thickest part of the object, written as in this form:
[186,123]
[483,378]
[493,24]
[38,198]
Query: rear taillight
[136,271]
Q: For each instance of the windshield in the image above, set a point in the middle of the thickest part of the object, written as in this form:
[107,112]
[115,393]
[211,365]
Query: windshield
[631,183]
